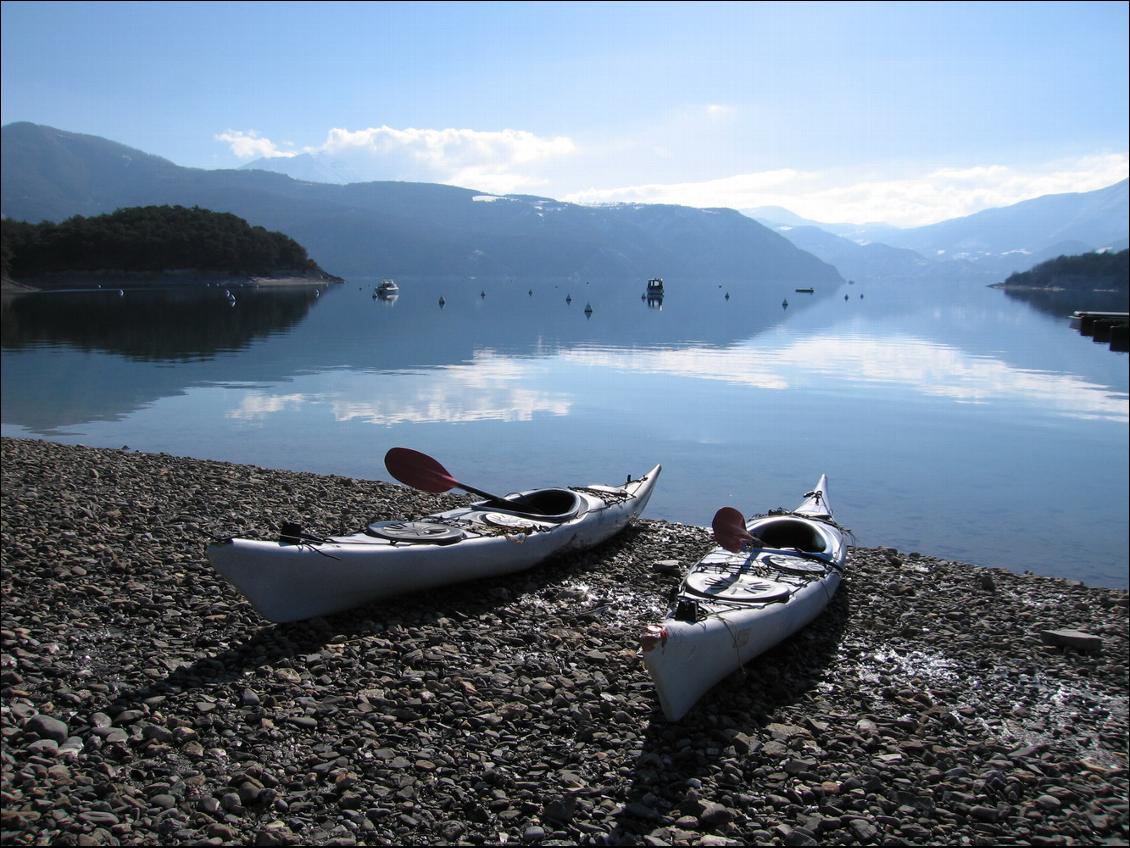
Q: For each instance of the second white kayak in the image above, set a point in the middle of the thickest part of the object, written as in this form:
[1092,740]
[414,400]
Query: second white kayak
[733,606]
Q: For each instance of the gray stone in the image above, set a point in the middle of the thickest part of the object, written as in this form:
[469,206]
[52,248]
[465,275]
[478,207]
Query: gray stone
[864,831]
[44,747]
[47,727]
[1077,639]
[714,815]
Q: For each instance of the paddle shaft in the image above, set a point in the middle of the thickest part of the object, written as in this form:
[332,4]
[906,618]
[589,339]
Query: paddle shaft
[480,493]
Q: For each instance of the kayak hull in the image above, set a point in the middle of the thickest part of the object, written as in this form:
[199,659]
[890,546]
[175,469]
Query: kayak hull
[734,607]
[288,581]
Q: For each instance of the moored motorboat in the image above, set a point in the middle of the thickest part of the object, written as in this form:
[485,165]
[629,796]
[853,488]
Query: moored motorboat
[387,288]
[766,580]
[301,576]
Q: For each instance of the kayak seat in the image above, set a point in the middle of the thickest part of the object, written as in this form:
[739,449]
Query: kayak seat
[787,533]
[555,505]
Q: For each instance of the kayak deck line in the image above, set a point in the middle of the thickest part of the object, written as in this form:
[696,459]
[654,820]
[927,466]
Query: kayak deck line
[493,523]
[783,581]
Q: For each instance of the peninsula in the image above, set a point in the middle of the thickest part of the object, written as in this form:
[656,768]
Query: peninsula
[152,245]
[1104,272]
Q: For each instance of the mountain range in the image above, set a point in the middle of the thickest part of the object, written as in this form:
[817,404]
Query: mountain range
[399,228]
[989,244]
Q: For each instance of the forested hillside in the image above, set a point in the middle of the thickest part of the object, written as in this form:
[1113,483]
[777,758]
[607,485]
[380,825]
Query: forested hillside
[148,238]
[1088,272]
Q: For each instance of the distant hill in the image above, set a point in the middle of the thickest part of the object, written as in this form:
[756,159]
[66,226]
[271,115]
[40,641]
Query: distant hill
[855,261]
[777,216]
[987,245]
[396,228]
[1087,272]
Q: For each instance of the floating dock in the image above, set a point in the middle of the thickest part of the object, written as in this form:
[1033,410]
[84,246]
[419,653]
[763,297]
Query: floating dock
[1112,328]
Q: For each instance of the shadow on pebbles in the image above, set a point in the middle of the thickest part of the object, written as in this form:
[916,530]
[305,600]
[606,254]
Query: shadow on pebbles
[144,702]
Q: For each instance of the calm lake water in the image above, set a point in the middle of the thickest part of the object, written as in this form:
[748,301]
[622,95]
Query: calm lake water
[951,420]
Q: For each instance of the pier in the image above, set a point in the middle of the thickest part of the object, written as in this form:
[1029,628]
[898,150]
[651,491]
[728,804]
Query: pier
[1110,327]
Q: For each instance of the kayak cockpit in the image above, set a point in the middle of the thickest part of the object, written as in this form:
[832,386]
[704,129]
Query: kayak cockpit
[783,533]
[552,505]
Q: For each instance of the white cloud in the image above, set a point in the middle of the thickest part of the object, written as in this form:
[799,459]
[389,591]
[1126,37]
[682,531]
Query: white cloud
[451,147]
[736,192]
[249,145]
[840,197]
[955,192]
[497,161]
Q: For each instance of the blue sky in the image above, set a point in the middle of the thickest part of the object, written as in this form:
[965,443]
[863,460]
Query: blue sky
[900,112]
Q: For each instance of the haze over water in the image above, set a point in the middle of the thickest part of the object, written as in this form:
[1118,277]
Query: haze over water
[950,420]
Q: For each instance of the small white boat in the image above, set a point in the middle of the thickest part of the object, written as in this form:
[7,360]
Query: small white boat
[299,576]
[387,288]
[766,580]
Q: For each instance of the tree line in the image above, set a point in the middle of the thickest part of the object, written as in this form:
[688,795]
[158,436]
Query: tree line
[148,238]
[1085,271]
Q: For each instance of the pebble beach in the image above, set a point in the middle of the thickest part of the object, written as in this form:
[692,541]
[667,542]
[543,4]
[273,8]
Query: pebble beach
[145,702]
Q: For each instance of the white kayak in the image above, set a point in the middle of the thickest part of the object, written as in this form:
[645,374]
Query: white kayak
[299,576]
[734,606]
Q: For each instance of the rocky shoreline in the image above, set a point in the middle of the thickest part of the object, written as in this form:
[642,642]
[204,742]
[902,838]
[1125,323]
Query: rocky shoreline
[144,702]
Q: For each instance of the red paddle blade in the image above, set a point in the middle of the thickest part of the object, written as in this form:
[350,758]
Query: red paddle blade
[419,471]
[729,529]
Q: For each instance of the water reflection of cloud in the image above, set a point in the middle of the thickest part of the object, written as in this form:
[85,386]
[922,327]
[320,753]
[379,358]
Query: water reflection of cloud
[257,405]
[929,368]
[492,388]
